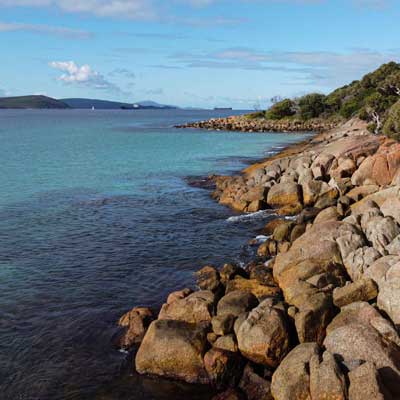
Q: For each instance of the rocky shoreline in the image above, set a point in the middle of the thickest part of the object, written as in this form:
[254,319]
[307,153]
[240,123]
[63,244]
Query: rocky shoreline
[316,314]
[246,124]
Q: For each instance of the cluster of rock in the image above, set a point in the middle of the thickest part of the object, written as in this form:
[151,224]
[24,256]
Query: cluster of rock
[246,124]
[316,315]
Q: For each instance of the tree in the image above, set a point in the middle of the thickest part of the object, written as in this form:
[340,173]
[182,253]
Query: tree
[285,108]
[391,85]
[376,105]
[391,128]
[312,105]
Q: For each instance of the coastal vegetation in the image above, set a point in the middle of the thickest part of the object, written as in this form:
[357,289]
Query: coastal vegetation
[374,98]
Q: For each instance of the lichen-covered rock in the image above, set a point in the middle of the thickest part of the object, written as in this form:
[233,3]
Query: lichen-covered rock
[327,381]
[236,303]
[253,286]
[263,336]
[135,323]
[284,194]
[291,380]
[208,278]
[195,308]
[222,324]
[328,214]
[227,342]
[229,271]
[174,349]
[178,295]
[364,289]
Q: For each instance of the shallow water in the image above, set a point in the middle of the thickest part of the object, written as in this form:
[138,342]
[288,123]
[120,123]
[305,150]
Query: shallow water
[96,216]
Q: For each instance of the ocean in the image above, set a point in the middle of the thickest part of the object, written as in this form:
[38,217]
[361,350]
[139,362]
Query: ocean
[98,214]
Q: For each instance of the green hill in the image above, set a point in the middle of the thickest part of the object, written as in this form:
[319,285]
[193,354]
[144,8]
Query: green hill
[31,102]
[375,98]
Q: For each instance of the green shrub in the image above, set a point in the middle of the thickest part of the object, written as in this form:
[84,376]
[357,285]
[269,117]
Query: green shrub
[391,127]
[282,109]
[312,105]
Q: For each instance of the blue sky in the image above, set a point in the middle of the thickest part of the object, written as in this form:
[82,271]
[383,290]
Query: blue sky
[192,52]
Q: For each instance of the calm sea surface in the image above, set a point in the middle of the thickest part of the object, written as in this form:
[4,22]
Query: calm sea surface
[96,216]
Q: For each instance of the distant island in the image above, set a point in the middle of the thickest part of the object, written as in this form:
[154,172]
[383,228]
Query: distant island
[34,102]
[113,105]
[45,102]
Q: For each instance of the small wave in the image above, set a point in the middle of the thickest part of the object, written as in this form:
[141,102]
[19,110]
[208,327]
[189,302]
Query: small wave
[262,238]
[245,217]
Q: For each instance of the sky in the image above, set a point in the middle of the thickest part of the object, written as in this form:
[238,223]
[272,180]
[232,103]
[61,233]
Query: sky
[199,53]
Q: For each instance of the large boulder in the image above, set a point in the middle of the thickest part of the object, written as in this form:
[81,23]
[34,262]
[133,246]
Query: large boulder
[195,308]
[285,194]
[263,336]
[291,380]
[236,303]
[315,257]
[360,333]
[174,349]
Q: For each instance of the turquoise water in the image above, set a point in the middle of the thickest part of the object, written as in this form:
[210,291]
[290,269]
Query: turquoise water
[97,216]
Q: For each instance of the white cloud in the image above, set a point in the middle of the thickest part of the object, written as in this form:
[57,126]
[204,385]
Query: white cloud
[44,29]
[134,9]
[84,75]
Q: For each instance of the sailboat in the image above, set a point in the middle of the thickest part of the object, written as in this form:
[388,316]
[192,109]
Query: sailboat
[92,108]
